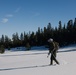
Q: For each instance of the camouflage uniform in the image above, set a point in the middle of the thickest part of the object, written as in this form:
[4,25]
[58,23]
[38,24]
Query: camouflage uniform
[53,50]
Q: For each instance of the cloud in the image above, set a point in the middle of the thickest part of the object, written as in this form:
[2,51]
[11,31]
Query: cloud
[9,15]
[4,20]
[17,10]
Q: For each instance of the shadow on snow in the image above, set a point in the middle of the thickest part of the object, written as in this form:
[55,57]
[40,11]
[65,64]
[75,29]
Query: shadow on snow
[6,69]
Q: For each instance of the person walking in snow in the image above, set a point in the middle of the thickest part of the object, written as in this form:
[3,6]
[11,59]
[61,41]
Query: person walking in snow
[53,47]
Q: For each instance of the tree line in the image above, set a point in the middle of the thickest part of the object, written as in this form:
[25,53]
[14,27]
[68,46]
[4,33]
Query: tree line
[64,34]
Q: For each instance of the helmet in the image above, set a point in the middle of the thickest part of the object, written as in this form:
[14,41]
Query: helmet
[50,40]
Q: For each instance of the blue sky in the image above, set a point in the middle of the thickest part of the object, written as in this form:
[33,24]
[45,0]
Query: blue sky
[28,15]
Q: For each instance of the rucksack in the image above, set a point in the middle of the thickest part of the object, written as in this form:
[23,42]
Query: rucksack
[56,45]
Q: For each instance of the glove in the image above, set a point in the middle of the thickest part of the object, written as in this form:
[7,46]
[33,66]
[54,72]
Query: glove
[48,55]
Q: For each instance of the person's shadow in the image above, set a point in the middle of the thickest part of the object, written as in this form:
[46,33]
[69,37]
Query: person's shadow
[5,69]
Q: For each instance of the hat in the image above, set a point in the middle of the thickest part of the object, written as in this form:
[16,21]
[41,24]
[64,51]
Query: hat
[50,40]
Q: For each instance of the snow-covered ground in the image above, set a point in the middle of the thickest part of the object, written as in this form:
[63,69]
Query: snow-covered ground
[35,62]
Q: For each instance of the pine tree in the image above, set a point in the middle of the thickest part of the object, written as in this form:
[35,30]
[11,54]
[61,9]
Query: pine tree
[2,49]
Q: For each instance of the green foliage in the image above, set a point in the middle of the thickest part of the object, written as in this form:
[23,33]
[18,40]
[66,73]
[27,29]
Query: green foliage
[8,47]
[2,49]
[28,47]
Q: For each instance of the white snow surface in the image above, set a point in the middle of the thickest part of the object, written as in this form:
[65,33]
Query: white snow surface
[35,62]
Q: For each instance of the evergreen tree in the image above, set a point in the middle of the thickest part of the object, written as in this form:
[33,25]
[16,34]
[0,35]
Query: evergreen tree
[2,39]
[16,41]
[2,49]
[21,39]
[60,38]
[28,47]
[74,31]
[38,37]
[32,39]
[70,31]
[8,42]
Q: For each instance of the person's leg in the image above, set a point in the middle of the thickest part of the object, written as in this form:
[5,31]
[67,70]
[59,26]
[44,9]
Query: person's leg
[51,60]
[54,58]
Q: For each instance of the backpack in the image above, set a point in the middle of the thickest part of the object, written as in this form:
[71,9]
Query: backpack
[56,45]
